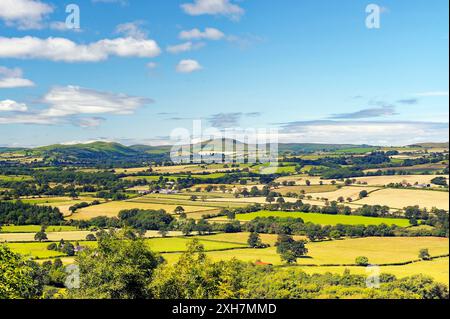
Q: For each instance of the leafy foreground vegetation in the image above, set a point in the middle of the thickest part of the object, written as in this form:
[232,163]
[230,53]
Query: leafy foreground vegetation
[123,267]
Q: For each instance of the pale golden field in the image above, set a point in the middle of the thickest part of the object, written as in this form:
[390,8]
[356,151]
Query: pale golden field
[401,198]
[424,167]
[411,179]
[308,189]
[438,269]
[112,209]
[345,192]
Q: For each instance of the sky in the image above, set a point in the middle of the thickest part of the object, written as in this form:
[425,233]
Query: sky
[135,71]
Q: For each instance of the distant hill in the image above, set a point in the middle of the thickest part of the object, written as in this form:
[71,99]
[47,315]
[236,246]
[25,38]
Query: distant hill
[163,149]
[431,145]
[100,149]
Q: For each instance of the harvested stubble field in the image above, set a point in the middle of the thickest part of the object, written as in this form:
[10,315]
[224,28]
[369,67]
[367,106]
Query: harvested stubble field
[307,189]
[345,192]
[400,198]
[409,179]
[112,209]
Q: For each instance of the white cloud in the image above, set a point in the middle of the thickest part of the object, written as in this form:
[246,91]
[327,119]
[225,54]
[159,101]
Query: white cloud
[196,34]
[213,7]
[132,30]
[72,100]
[433,94]
[24,14]
[184,47]
[12,106]
[69,104]
[12,78]
[188,66]
[62,49]
[363,132]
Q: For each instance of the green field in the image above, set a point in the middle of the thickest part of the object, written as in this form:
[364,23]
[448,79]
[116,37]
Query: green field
[15,178]
[324,219]
[34,229]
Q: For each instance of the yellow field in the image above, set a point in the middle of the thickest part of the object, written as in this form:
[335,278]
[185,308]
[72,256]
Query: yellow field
[410,179]
[345,192]
[379,250]
[71,236]
[400,198]
[438,269]
[112,209]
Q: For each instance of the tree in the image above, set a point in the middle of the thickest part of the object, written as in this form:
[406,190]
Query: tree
[270,199]
[363,194]
[362,261]
[289,249]
[335,234]
[91,237]
[308,182]
[424,254]
[115,269]
[40,236]
[179,210]
[68,249]
[441,181]
[19,278]
[254,241]
[188,226]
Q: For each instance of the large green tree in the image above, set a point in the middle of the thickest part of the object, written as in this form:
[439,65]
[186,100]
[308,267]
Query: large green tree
[119,268]
[19,279]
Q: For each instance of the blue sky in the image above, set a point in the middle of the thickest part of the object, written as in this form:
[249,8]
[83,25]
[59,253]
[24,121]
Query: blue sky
[136,70]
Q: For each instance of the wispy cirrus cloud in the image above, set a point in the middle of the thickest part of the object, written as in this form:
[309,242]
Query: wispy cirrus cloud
[363,132]
[408,101]
[228,120]
[387,110]
[132,29]
[184,47]
[433,94]
[214,7]
[65,50]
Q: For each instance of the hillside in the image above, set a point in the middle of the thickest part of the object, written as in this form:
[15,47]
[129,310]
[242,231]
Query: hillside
[431,145]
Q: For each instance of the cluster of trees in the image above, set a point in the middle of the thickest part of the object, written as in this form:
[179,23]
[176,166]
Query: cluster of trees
[64,247]
[19,213]
[128,269]
[314,232]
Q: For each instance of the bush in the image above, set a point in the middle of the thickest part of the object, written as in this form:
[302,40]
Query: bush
[362,261]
